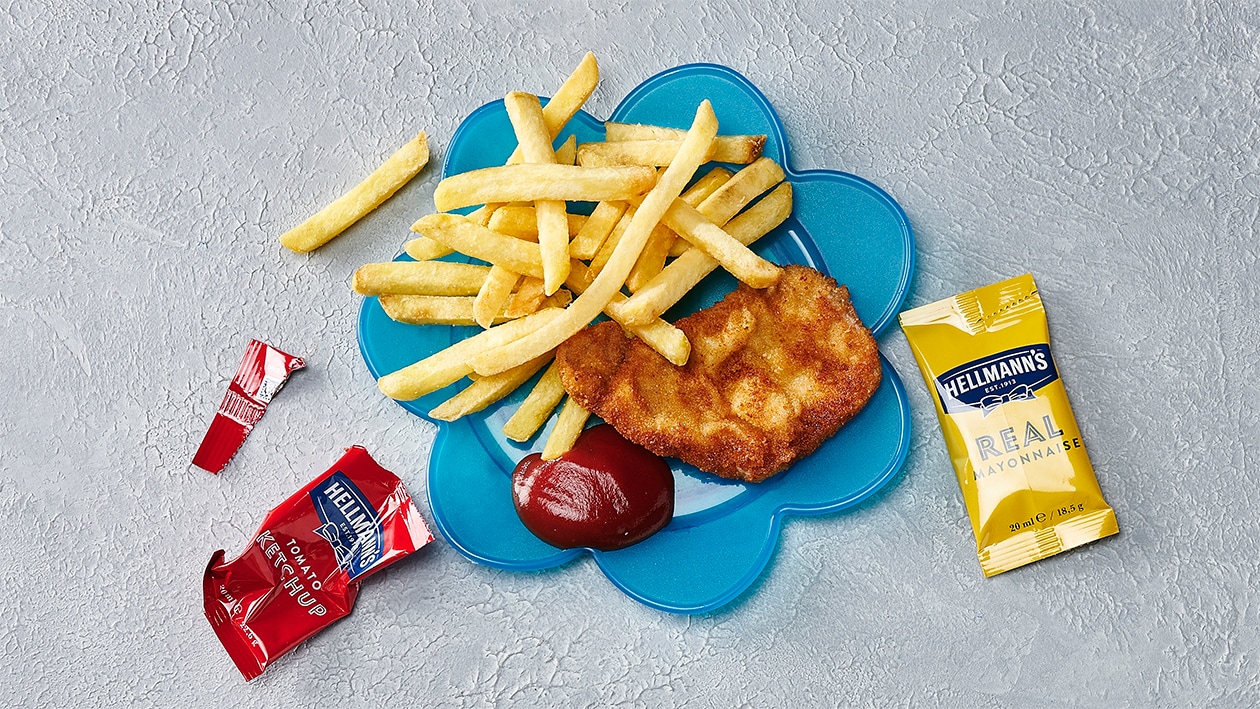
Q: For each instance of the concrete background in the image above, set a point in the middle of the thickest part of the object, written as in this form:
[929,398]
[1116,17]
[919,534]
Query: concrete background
[151,153]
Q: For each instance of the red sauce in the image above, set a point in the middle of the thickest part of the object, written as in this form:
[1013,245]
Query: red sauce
[607,493]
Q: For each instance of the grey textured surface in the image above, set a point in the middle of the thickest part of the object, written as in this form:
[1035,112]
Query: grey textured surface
[151,153]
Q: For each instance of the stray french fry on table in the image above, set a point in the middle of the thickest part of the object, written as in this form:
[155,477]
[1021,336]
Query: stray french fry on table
[352,206]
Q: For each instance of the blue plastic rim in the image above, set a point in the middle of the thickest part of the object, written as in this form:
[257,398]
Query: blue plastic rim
[724,532]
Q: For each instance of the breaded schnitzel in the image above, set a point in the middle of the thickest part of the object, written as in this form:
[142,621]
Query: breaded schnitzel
[773,373]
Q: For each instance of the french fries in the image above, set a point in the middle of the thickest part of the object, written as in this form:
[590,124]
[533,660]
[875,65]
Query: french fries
[724,248]
[679,277]
[733,195]
[419,278]
[361,199]
[452,364]
[551,273]
[567,100]
[609,281]
[562,106]
[487,390]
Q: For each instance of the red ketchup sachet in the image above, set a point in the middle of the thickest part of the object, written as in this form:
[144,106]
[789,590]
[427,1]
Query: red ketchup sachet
[263,370]
[302,570]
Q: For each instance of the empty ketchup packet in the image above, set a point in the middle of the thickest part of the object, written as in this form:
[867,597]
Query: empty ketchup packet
[263,370]
[302,570]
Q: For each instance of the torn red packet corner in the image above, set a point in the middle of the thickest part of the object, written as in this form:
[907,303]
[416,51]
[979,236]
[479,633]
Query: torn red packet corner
[262,372]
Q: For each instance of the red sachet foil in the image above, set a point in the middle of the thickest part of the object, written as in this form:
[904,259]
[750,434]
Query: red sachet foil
[264,369]
[303,568]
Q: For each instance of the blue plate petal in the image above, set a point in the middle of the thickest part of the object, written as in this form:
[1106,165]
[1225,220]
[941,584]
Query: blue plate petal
[723,532]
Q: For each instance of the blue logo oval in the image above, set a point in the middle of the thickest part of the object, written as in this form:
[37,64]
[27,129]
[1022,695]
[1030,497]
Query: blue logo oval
[985,384]
[350,524]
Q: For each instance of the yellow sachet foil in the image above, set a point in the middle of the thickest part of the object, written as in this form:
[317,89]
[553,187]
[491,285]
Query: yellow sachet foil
[1025,476]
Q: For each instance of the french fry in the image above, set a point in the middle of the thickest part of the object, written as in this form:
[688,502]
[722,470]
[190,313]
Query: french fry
[453,363]
[609,281]
[525,113]
[428,309]
[615,132]
[567,100]
[422,248]
[735,257]
[352,206]
[521,221]
[706,185]
[479,242]
[566,154]
[652,260]
[493,295]
[569,426]
[747,184]
[537,407]
[560,299]
[610,244]
[527,299]
[454,310]
[681,275]
[419,278]
[740,149]
[487,390]
[529,183]
[596,229]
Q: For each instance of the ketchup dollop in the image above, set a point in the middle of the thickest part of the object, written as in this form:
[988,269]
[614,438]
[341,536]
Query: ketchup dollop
[606,493]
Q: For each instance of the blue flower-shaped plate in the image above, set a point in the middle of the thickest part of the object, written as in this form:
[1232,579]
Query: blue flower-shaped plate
[723,532]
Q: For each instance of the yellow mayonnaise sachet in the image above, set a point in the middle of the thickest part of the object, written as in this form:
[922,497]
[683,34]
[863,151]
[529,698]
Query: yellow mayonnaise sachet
[1025,476]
